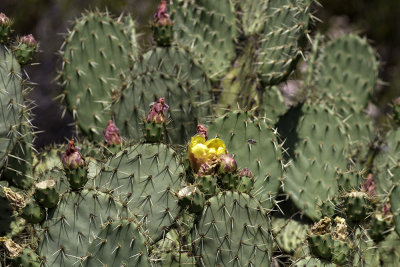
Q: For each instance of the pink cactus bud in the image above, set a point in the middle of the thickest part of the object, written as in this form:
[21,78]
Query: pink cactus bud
[201,129]
[72,158]
[227,164]
[369,186]
[111,134]
[29,40]
[246,172]
[157,111]
[4,20]
[161,17]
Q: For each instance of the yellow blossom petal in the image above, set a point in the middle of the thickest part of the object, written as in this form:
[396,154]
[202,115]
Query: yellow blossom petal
[200,151]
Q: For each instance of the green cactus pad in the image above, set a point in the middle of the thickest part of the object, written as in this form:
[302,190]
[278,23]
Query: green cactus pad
[209,29]
[96,55]
[312,262]
[272,105]
[285,23]
[33,212]
[289,234]
[395,206]
[389,250]
[233,231]
[27,258]
[239,85]
[357,205]
[365,252]
[119,243]
[19,168]
[58,175]
[254,146]
[385,164]
[170,252]
[146,178]
[7,212]
[320,151]
[359,126]
[321,246]
[47,159]
[46,193]
[74,224]
[340,252]
[173,74]
[11,103]
[191,198]
[347,67]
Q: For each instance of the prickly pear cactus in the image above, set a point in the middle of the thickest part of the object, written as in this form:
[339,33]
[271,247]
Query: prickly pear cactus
[146,184]
[320,152]
[11,103]
[171,73]
[146,178]
[74,224]
[96,56]
[254,145]
[233,230]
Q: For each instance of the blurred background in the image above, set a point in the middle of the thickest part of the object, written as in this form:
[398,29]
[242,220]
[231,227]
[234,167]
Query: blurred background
[47,20]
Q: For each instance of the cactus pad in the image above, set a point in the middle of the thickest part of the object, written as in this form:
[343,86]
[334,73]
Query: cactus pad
[254,146]
[96,55]
[233,231]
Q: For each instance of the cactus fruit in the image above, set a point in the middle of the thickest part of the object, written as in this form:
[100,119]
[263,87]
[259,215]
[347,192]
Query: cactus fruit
[163,33]
[74,166]
[5,28]
[245,183]
[191,198]
[156,121]
[33,212]
[28,258]
[207,184]
[357,205]
[26,49]
[320,240]
[46,193]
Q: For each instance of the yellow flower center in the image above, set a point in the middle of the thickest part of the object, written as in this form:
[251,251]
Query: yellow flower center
[200,151]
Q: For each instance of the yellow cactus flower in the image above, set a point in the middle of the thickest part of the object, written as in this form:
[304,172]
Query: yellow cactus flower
[201,150]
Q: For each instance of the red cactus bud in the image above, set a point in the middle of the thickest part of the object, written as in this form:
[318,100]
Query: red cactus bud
[201,129]
[369,186]
[111,134]
[161,16]
[246,172]
[29,40]
[4,20]
[156,112]
[72,158]
[227,164]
